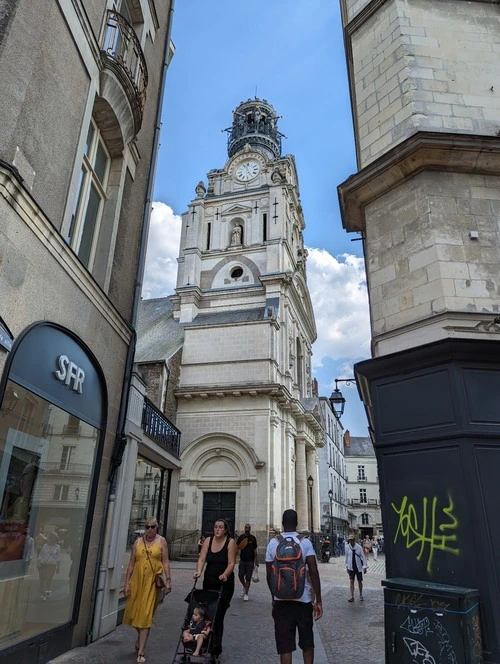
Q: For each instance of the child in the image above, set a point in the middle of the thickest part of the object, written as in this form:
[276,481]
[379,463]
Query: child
[197,630]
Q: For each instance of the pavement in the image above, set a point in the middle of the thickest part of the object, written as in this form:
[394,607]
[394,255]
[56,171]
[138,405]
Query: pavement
[348,632]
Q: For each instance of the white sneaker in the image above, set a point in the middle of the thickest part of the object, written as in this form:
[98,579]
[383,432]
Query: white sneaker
[242,594]
[245,598]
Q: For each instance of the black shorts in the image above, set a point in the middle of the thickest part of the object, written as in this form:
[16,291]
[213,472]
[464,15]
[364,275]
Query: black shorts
[289,617]
[245,571]
[355,575]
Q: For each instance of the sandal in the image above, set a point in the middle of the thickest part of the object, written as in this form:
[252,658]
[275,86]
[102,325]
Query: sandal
[351,599]
[361,599]
[141,659]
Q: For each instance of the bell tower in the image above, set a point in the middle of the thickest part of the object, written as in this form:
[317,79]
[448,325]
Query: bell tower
[250,423]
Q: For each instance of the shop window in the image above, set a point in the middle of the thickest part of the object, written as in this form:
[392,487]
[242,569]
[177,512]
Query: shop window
[36,508]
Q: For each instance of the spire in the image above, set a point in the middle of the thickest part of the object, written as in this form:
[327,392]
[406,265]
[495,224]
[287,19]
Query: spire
[255,123]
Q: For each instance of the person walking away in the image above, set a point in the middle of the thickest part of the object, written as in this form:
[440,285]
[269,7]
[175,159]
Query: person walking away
[219,554]
[375,549]
[247,546]
[356,565]
[297,613]
[48,562]
[148,558]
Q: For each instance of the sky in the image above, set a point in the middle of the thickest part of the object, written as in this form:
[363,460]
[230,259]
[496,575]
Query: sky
[292,54]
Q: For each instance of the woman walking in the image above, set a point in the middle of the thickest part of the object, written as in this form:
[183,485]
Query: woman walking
[148,558]
[219,553]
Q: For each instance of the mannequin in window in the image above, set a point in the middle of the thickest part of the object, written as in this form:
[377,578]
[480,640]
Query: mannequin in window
[236,235]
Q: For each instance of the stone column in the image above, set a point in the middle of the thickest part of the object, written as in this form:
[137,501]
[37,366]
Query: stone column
[301,499]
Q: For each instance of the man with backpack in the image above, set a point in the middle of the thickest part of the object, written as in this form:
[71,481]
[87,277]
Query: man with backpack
[293,579]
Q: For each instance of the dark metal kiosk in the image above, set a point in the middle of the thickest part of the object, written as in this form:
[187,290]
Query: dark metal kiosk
[434,414]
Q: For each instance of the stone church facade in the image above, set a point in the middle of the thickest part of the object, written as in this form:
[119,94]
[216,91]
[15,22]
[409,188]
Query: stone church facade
[249,420]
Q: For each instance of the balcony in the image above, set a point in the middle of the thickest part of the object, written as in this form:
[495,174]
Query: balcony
[61,468]
[122,54]
[160,429]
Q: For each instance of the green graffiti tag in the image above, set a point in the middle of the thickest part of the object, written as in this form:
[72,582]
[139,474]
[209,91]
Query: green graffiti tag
[432,529]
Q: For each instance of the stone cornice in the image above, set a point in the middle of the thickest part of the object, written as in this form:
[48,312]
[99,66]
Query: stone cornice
[28,212]
[424,151]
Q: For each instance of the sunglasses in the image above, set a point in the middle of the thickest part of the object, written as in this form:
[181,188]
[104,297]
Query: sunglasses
[148,527]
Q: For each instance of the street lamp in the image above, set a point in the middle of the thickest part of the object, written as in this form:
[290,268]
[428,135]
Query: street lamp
[156,480]
[310,482]
[337,400]
[330,495]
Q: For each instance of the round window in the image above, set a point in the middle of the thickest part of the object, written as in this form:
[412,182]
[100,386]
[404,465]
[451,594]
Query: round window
[236,273]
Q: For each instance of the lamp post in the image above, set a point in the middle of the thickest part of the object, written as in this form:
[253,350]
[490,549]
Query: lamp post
[156,480]
[330,495]
[310,482]
[337,400]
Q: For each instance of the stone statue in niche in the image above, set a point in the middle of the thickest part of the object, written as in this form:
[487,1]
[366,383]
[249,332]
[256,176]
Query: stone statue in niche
[236,235]
[200,189]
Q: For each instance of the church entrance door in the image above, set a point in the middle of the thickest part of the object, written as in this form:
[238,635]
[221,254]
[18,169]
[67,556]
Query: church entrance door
[218,505]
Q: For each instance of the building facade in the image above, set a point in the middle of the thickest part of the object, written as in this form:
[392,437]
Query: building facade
[333,497]
[363,491]
[426,99]
[81,87]
[250,423]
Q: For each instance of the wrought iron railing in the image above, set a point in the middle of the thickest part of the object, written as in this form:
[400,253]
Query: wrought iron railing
[66,468]
[122,51]
[159,428]
[185,544]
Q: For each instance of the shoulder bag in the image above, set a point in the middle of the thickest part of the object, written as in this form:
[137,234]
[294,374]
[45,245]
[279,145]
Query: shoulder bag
[159,580]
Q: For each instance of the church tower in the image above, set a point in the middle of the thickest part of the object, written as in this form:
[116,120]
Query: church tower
[250,423]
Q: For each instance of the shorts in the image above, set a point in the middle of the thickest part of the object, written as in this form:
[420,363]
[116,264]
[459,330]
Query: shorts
[353,575]
[245,571]
[289,617]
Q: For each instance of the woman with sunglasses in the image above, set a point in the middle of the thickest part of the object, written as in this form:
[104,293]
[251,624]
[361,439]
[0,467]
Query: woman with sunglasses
[149,557]
[219,553]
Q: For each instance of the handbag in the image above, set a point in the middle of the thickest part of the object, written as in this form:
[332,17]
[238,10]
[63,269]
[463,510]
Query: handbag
[159,581]
[255,576]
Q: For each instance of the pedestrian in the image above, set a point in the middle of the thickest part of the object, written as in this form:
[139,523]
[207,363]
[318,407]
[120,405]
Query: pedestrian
[356,565]
[367,546]
[375,549]
[200,543]
[247,546]
[149,557]
[48,562]
[219,553]
[298,614]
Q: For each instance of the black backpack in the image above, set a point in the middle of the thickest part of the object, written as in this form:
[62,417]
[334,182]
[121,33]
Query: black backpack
[288,569]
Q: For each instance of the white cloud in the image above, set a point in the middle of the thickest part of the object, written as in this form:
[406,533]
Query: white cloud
[340,301]
[163,248]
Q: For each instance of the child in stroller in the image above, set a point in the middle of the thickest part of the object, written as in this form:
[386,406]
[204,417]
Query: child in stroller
[197,631]
[195,643]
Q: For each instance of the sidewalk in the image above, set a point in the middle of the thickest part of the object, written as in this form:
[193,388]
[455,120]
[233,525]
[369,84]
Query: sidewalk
[347,633]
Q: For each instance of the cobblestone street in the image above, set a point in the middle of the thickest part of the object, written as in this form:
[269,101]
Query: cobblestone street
[348,632]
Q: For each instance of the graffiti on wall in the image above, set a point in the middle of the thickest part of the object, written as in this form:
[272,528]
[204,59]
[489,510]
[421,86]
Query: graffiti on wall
[429,527]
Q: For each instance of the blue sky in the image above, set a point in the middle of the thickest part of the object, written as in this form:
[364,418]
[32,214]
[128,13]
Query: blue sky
[290,53]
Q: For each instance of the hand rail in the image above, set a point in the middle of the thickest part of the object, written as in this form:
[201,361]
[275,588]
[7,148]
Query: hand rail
[182,541]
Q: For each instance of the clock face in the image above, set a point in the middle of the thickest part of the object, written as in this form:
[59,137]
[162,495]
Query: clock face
[248,170]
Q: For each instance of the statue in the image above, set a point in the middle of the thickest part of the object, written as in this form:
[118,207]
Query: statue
[200,189]
[236,235]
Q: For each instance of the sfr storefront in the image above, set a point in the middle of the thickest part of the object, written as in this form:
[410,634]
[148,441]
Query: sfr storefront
[53,409]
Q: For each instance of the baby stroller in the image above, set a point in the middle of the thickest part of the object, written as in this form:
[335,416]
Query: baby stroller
[209,600]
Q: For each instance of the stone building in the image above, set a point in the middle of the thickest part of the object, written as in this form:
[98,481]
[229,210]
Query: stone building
[250,423]
[82,86]
[425,91]
[363,492]
[333,496]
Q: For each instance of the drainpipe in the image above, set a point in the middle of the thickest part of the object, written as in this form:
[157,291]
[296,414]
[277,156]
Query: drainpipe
[100,576]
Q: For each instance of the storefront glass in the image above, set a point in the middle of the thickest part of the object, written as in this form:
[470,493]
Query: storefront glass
[47,459]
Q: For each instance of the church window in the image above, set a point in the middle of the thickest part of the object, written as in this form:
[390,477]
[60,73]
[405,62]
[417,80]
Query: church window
[264,227]
[236,273]
[209,231]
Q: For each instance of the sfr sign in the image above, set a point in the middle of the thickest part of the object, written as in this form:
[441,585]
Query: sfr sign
[70,374]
